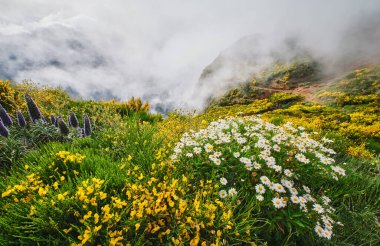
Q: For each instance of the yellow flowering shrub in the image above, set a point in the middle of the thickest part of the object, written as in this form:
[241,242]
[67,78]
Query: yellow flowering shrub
[177,210]
[360,151]
[8,96]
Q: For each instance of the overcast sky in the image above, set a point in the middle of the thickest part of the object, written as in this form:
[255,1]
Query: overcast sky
[153,49]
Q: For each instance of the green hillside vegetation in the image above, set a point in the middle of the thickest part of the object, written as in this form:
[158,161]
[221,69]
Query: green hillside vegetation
[278,76]
[275,169]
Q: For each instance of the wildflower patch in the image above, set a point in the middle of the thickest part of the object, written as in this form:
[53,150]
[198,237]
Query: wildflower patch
[249,157]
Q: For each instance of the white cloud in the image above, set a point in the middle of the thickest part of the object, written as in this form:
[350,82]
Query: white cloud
[154,48]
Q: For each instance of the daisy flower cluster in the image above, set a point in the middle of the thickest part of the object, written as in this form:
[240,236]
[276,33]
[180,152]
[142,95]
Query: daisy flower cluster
[249,156]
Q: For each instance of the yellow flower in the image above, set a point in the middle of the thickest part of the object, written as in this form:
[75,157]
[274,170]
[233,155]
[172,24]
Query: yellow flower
[62,178]
[60,197]
[184,178]
[141,176]
[195,241]
[42,191]
[55,185]
[96,218]
[32,210]
[97,228]
[67,230]
[85,237]
[89,190]
[6,193]
[114,241]
[88,215]
[20,187]
[102,195]
[137,226]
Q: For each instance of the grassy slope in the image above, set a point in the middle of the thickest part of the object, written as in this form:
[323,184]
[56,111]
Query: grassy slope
[139,143]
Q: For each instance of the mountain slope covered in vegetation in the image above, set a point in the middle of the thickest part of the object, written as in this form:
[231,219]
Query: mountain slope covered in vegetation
[268,163]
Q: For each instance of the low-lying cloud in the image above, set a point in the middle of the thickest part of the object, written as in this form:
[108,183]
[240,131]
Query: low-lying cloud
[158,49]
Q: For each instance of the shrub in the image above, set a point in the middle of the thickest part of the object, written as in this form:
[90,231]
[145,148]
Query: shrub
[8,96]
[11,150]
[42,132]
[251,158]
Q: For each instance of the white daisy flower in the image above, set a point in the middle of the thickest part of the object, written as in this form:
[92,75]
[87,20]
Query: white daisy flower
[265,180]
[223,181]
[277,168]
[217,154]
[232,192]
[245,160]
[256,166]
[295,199]
[277,202]
[197,150]
[288,173]
[218,142]
[245,148]
[319,230]
[249,167]
[241,140]
[236,154]
[326,200]
[305,188]
[294,191]
[208,148]
[189,155]
[276,148]
[279,188]
[301,128]
[223,194]
[260,188]
[327,234]
[217,161]
[260,198]
[339,170]
[318,208]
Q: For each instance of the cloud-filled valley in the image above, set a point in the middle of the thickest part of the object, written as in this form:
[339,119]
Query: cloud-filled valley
[158,50]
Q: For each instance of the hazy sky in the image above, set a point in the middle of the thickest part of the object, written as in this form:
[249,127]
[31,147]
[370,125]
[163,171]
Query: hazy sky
[154,49]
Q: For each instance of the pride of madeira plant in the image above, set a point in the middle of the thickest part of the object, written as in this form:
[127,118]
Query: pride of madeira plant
[4,116]
[34,111]
[39,132]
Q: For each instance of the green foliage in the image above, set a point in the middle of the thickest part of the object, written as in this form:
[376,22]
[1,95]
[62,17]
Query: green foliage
[11,150]
[42,132]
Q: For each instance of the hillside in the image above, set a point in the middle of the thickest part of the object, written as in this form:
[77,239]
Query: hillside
[290,157]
